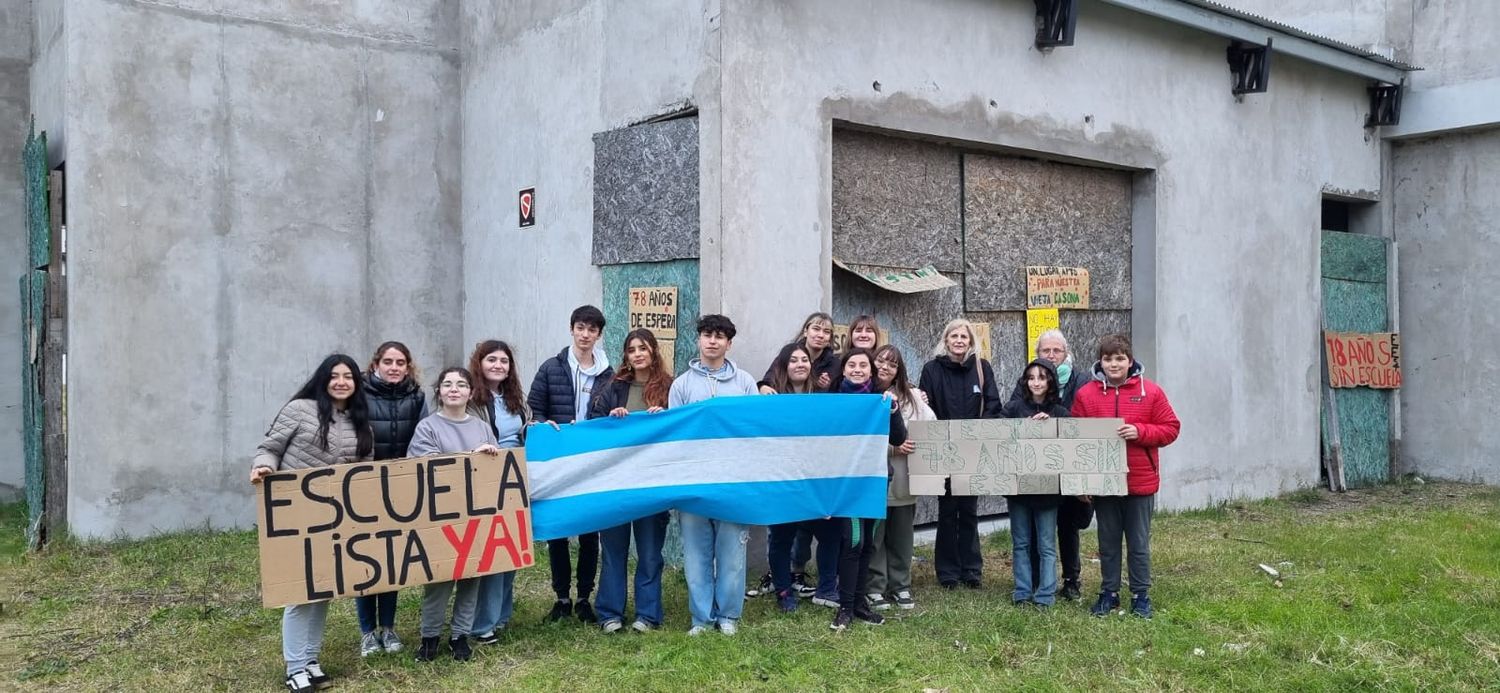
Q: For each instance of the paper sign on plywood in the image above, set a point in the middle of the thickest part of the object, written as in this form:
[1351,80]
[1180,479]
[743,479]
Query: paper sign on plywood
[355,529]
[654,308]
[1057,287]
[901,281]
[1363,359]
[1039,320]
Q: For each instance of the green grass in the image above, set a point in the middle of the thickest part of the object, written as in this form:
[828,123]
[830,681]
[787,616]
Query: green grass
[1395,588]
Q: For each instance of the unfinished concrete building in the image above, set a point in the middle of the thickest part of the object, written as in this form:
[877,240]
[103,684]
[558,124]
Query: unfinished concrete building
[246,186]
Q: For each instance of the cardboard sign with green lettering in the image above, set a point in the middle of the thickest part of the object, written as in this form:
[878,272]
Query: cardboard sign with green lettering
[1011,457]
[356,529]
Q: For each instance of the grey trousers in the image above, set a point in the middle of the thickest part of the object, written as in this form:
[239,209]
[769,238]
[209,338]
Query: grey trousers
[302,634]
[890,567]
[435,607]
[1127,517]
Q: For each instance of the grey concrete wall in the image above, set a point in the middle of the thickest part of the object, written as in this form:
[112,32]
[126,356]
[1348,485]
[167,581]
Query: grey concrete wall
[252,186]
[540,79]
[1445,206]
[1232,225]
[15,97]
[49,76]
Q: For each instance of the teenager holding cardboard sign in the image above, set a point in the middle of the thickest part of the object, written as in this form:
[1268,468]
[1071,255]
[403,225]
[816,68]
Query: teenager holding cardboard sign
[450,429]
[325,423]
[499,402]
[959,385]
[890,567]
[396,404]
[1033,517]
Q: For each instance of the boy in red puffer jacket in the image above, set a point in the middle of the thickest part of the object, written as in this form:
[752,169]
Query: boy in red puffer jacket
[1120,391]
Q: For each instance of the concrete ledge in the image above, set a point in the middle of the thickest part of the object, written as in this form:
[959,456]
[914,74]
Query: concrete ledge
[1454,108]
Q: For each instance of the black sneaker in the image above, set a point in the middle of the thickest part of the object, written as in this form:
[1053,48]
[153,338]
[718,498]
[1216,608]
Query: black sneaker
[802,586]
[841,620]
[1107,603]
[585,611]
[1140,605]
[765,587]
[319,679]
[561,609]
[949,584]
[489,638]
[459,646]
[973,584]
[863,612]
[429,649]
[1071,591]
[299,682]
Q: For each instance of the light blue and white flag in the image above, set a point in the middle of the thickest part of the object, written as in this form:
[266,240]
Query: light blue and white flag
[753,460]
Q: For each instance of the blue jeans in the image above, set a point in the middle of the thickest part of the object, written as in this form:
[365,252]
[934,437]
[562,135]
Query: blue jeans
[1033,522]
[714,564]
[614,547]
[495,603]
[375,610]
[781,551]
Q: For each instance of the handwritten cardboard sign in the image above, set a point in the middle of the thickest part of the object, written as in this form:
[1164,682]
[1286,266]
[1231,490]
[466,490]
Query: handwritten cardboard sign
[355,529]
[654,308]
[978,457]
[1363,359]
[1039,320]
[1057,287]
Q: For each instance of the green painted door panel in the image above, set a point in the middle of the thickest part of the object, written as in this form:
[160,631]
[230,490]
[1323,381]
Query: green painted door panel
[1355,300]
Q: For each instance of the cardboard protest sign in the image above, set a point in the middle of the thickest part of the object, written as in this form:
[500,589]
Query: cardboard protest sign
[654,308]
[1363,360]
[1017,457]
[1057,287]
[355,529]
[1039,320]
[901,281]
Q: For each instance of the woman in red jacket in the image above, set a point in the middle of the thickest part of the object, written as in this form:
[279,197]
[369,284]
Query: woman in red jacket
[1120,391]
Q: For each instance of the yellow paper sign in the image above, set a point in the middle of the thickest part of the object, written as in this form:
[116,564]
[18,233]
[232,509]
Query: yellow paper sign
[1039,320]
[1057,287]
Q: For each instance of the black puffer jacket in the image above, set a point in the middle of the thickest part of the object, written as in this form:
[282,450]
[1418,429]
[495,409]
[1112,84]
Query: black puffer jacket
[1022,406]
[395,410]
[953,389]
[1065,393]
[551,395]
[827,363]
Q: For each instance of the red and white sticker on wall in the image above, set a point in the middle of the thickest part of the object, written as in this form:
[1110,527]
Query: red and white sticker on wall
[528,207]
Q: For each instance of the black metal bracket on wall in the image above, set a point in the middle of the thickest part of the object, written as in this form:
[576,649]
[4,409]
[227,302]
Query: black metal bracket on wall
[1250,65]
[1055,22]
[1385,104]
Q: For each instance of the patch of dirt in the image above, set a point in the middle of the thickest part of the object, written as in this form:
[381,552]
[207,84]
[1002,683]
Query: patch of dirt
[1405,492]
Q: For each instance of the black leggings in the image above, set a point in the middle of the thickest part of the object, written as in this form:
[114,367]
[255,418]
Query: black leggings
[856,546]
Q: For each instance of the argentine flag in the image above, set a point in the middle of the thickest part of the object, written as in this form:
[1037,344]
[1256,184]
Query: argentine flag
[755,460]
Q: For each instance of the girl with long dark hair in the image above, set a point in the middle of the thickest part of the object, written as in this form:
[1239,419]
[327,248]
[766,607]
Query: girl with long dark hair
[641,384]
[890,567]
[325,423]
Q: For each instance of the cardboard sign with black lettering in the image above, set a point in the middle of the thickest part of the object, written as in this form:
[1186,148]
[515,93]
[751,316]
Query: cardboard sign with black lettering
[356,529]
[1015,457]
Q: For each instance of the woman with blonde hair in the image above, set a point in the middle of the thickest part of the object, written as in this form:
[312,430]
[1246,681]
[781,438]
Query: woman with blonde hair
[959,385]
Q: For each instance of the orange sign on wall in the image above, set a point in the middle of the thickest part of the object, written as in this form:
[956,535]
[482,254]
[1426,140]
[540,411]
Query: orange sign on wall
[1358,359]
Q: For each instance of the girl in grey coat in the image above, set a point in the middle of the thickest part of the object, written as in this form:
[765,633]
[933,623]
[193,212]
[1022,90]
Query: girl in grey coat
[325,423]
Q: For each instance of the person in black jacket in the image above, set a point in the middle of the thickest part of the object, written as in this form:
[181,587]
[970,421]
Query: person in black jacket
[396,403]
[560,394]
[816,337]
[641,384]
[959,385]
[856,540]
[1033,518]
[1074,515]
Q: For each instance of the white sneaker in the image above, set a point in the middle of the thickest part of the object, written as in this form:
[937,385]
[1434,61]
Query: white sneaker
[878,601]
[641,626]
[315,674]
[612,626]
[728,627]
[821,601]
[369,644]
[904,600]
[390,641]
[696,631]
[299,682]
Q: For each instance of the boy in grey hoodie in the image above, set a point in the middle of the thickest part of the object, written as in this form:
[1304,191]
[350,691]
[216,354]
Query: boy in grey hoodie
[713,550]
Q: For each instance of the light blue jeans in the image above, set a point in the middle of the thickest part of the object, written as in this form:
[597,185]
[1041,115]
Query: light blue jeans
[496,602]
[302,634]
[1033,522]
[714,564]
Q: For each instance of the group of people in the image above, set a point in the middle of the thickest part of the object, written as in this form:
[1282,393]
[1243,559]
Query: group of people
[343,414]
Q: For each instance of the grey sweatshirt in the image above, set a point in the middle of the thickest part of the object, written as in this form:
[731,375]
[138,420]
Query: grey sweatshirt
[697,384]
[436,435]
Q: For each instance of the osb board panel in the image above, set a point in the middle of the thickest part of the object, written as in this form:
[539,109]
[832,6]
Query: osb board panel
[646,193]
[896,202]
[1020,212]
[1083,328]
